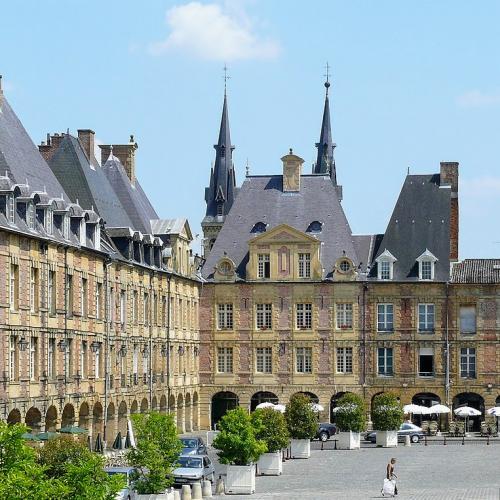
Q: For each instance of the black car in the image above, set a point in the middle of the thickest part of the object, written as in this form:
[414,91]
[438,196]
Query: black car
[325,431]
[193,446]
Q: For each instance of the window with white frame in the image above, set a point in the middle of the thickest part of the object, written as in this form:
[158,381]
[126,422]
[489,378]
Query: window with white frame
[69,295]
[426,318]
[13,358]
[385,265]
[385,270]
[34,290]
[51,292]
[11,208]
[135,306]
[14,287]
[264,265]
[225,316]
[83,359]
[467,319]
[385,317]
[51,360]
[344,359]
[304,316]
[84,296]
[468,362]
[385,366]
[135,360]
[426,270]
[145,311]
[97,362]
[426,264]
[304,265]
[344,315]
[33,366]
[263,360]
[123,307]
[225,360]
[303,359]
[264,314]
[98,298]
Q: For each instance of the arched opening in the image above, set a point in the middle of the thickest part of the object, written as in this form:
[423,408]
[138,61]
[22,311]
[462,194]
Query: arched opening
[180,413]
[187,413]
[427,399]
[196,412]
[154,403]
[312,397]
[163,404]
[122,418]
[497,401]
[172,407]
[472,400]
[134,407]
[51,419]
[333,404]
[263,397]
[144,405]
[14,417]
[111,432]
[222,402]
[33,419]
[97,420]
[68,416]
[83,416]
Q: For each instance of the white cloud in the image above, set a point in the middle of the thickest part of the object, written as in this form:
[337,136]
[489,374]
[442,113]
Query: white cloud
[210,32]
[476,98]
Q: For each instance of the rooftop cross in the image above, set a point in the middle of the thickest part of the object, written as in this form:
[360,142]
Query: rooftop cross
[226,78]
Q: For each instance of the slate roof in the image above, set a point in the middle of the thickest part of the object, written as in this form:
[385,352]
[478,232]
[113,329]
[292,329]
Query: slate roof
[261,199]
[87,183]
[20,158]
[420,221]
[479,271]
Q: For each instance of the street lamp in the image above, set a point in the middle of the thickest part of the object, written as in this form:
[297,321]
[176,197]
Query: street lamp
[145,352]
[164,351]
[62,345]
[95,347]
[123,350]
[23,344]
[181,350]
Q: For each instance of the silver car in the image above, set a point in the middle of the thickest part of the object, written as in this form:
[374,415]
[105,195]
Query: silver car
[126,493]
[193,468]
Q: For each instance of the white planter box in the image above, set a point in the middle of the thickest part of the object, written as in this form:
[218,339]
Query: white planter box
[240,479]
[160,496]
[300,448]
[270,464]
[387,439]
[349,440]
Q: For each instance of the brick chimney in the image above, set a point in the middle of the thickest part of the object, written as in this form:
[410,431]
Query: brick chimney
[125,153]
[292,169]
[449,177]
[48,148]
[86,138]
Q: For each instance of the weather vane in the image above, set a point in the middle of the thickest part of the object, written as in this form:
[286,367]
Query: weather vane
[226,78]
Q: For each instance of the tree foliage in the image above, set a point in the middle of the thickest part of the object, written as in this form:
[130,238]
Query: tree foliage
[270,427]
[301,420]
[350,413]
[387,412]
[156,453]
[236,441]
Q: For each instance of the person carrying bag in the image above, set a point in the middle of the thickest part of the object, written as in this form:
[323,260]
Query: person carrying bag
[389,488]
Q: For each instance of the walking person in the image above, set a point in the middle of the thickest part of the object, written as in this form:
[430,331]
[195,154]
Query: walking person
[390,487]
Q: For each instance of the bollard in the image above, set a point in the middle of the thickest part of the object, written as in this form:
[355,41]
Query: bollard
[206,489]
[425,440]
[407,441]
[177,495]
[186,492]
[322,444]
[219,487]
[488,439]
[196,493]
[444,441]
[463,439]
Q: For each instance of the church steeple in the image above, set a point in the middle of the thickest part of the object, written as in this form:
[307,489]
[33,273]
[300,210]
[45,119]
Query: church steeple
[325,162]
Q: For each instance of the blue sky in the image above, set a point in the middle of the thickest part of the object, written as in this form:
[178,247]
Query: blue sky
[414,83]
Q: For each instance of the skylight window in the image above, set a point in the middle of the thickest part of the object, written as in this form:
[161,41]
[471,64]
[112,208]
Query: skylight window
[259,227]
[315,227]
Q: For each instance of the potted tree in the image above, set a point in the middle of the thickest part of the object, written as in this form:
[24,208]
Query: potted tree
[155,455]
[270,427]
[387,417]
[239,449]
[302,425]
[350,419]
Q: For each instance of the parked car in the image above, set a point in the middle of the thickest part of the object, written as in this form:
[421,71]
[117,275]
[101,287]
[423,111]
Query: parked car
[193,468]
[325,431]
[126,493]
[193,446]
[407,429]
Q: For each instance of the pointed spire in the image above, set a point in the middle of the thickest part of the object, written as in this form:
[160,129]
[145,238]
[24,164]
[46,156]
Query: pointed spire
[325,162]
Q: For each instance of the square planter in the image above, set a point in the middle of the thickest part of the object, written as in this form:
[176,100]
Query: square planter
[387,439]
[169,495]
[300,448]
[270,464]
[349,440]
[240,479]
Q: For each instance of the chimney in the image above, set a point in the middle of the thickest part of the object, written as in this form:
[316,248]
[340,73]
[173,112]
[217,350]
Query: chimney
[449,177]
[292,168]
[125,153]
[47,149]
[86,138]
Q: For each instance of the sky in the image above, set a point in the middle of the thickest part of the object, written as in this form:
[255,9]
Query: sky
[413,83]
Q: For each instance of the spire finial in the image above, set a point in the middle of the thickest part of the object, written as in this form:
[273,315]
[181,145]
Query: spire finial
[327,76]
[247,168]
[226,78]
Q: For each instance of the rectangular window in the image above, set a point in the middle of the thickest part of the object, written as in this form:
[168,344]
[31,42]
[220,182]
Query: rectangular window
[84,294]
[33,358]
[123,307]
[83,359]
[426,317]
[385,269]
[164,311]
[468,362]
[14,287]
[426,362]
[112,305]
[304,360]
[225,316]
[344,316]
[344,359]
[264,265]
[13,358]
[264,360]
[51,361]
[51,292]
[304,316]
[69,294]
[264,316]
[385,317]
[155,309]
[98,298]
[467,319]
[69,354]
[426,270]
[34,300]
[146,309]
[135,306]
[135,360]
[225,360]
[385,361]
[97,362]
[304,265]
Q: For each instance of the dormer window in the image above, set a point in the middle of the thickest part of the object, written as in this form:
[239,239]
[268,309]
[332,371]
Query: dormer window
[220,209]
[30,215]
[82,234]
[426,264]
[7,207]
[259,227]
[10,200]
[65,227]
[97,236]
[315,227]
[385,265]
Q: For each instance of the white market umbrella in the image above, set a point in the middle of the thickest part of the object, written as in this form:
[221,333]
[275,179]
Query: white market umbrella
[316,407]
[466,411]
[414,409]
[131,432]
[437,409]
[494,411]
[280,408]
[266,404]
